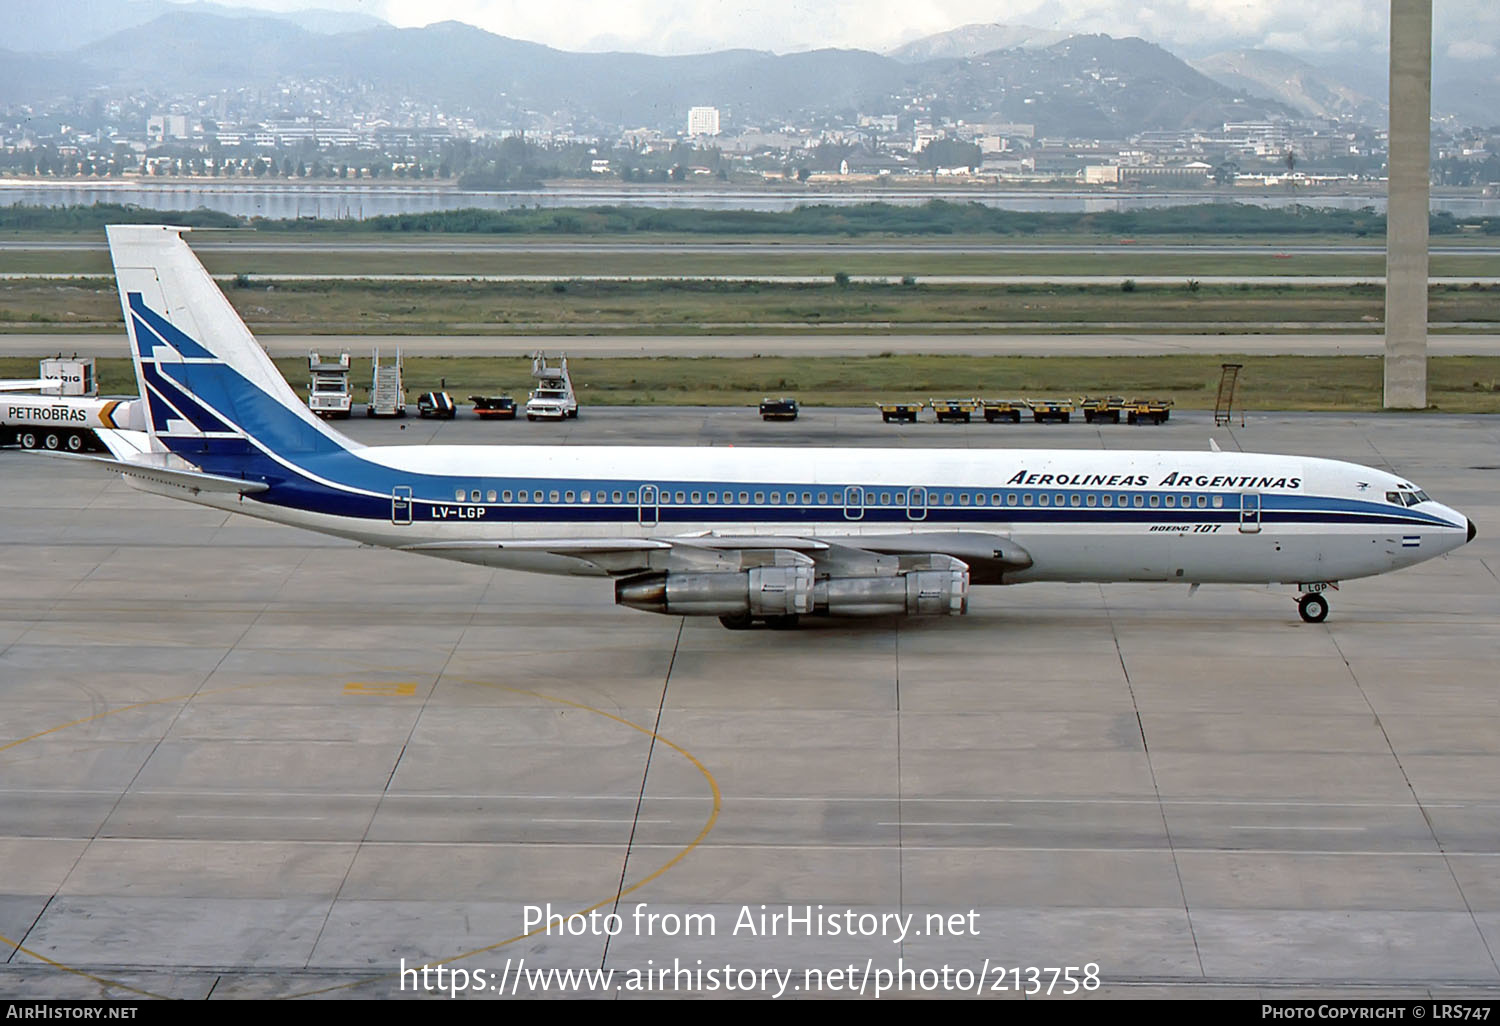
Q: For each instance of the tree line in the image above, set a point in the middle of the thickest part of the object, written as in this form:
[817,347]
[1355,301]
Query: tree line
[936,217]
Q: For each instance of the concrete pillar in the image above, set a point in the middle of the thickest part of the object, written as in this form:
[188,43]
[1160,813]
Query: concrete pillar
[1406,205]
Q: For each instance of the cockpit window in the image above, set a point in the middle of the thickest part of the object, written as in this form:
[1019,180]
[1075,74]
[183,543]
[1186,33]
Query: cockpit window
[1407,498]
[1394,497]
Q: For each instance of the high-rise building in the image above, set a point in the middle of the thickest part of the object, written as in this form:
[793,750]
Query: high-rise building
[703,121]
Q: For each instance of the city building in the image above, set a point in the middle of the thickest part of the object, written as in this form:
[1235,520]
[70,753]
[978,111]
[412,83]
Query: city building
[703,121]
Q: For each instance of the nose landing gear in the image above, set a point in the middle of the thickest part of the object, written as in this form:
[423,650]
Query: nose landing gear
[1313,608]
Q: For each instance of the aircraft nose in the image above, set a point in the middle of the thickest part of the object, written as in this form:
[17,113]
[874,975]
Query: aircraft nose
[1472,530]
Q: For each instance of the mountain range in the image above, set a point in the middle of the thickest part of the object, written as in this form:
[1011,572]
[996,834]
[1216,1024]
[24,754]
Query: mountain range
[1077,86]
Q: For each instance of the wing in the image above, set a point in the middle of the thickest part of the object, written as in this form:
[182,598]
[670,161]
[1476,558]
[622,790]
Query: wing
[988,556]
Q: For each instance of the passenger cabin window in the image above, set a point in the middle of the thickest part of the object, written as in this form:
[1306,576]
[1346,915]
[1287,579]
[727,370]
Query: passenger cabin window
[490,495]
[458,495]
[568,497]
[507,495]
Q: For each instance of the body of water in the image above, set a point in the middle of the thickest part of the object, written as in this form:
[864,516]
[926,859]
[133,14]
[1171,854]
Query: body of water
[332,200]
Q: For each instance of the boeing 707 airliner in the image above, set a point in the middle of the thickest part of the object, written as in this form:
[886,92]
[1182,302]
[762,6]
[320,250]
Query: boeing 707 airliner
[748,535]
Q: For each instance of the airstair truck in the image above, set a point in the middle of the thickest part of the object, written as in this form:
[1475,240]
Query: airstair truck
[553,396]
[387,389]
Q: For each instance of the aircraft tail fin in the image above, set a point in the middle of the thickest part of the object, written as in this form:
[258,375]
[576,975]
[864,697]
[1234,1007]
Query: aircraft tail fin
[213,397]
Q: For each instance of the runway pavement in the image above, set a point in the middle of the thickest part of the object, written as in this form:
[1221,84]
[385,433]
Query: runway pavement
[239,760]
[1112,280]
[209,242]
[1125,343]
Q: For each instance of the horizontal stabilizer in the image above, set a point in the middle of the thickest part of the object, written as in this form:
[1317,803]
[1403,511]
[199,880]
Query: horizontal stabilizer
[124,444]
[194,481]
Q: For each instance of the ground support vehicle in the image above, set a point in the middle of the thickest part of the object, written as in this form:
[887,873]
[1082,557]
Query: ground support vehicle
[899,412]
[1148,411]
[328,393]
[1099,409]
[1004,410]
[784,408]
[436,404]
[387,389]
[553,397]
[494,407]
[1045,410]
[954,411]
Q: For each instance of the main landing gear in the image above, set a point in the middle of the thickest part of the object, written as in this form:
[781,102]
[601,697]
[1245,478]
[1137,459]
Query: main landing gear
[1313,608]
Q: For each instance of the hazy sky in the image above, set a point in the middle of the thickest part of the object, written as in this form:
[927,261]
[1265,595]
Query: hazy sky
[1468,29]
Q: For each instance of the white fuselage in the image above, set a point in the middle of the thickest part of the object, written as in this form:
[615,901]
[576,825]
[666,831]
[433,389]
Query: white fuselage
[1082,515]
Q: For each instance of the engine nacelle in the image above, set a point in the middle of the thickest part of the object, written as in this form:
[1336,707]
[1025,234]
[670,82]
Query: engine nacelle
[930,585]
[759,591]
[915,593]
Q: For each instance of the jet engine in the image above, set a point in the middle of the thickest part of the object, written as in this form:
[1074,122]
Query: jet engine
[930,585]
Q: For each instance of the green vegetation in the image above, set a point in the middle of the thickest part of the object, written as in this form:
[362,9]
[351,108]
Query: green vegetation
[651,307]
[20,217]
[934,218]
[222,256]
[1457,384]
